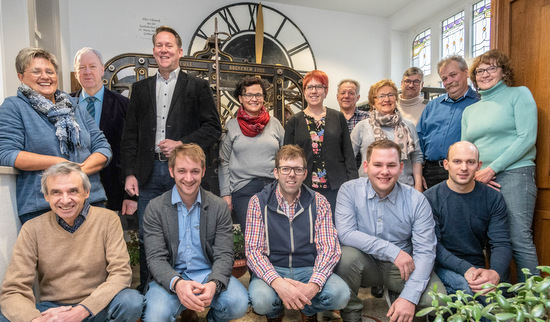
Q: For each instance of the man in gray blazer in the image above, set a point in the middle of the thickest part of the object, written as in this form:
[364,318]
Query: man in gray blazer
[189,246]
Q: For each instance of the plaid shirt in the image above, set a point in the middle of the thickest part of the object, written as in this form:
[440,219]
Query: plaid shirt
[357,116]
[326,239]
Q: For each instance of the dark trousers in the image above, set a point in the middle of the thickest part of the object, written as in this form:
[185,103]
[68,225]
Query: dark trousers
[434,173]
[241,197]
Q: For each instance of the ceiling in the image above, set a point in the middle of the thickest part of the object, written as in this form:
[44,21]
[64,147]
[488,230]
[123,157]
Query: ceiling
[410,12]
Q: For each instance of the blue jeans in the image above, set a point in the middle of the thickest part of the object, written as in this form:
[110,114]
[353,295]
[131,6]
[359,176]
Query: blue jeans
[265,301]
[520,192]
[453,281]
[158,183]
[164,305]
[127,305]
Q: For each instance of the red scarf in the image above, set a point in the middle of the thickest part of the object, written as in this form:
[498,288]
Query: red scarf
[252,125]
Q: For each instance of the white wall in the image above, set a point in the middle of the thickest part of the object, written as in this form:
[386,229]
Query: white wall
[354,47]
[15,36]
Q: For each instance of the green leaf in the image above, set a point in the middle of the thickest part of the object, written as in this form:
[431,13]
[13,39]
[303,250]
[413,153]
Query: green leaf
[502,302]
[476,313]
[542,286]
[538,310]
[545,269]
[504,316]
[425,311]
[519,316]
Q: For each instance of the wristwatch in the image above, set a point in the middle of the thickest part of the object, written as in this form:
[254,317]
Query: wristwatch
[219,286]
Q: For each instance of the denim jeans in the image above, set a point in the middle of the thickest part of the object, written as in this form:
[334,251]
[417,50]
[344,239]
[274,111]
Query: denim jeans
[265,301]
[453,281]
[127,305]
[358,269]
[158,183]
[520,192]
[163,305]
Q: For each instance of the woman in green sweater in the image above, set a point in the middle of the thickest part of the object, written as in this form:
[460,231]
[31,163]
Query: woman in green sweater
[503,125]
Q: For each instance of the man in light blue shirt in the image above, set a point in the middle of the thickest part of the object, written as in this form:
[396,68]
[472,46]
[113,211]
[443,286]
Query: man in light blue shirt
[388,237]
[189,246]
[440,123]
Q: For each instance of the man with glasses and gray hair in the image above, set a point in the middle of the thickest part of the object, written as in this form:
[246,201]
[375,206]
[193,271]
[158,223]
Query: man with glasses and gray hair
[410,103]
[292,246]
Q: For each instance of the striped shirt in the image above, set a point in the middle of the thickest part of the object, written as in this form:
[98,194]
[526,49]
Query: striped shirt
[326,239]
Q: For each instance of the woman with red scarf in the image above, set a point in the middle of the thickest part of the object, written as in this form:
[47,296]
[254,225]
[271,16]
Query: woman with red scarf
[248,148]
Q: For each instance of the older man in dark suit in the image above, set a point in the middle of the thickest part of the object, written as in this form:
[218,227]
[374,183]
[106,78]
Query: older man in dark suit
[108,108]
[189,243]
[165,111]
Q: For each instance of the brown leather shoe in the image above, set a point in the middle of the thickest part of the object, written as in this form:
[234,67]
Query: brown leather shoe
[277,319]
[305,318]
[189,316]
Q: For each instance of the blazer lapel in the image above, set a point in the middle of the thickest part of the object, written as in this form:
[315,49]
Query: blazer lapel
[106,112]
[178,89]
[153,93]
[173,227]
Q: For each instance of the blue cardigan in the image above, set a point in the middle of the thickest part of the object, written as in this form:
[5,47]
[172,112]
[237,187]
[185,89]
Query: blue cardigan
[24,129]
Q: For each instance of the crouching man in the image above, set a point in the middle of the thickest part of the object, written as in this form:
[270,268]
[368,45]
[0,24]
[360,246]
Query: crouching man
[189,246]
[470,217]
[388,237]
[292,246]
[79,254]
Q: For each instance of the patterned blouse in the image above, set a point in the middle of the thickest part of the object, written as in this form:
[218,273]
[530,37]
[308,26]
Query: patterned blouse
[319,172]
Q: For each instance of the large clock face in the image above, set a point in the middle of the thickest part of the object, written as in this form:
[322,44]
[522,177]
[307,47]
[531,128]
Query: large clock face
[284,43]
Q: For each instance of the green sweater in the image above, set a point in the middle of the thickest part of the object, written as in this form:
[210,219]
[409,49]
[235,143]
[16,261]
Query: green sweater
[89,267]
[503,126]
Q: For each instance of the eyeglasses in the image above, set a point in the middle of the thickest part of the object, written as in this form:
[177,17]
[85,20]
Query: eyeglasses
[317,87]
[416,82]
[297,170]
[249,96]
[489,70]
[383,96]
[37,72]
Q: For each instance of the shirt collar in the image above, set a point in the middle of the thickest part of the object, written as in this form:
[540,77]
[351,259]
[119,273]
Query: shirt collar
[83,213]
[281,199]
[173,74]
[98,95]
[392,196]
[176,198]
[469,93]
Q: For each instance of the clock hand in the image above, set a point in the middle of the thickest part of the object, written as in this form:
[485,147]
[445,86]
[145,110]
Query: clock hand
[259,35]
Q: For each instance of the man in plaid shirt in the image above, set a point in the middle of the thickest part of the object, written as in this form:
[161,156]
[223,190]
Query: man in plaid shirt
[292,245]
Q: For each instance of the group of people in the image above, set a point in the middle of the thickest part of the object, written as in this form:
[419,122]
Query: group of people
[328,203]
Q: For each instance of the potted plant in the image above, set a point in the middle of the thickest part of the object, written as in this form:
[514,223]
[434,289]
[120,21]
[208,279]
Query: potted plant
[239,267]
[530,302]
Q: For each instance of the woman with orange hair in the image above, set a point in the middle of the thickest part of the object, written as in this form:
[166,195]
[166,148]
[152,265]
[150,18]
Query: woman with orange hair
[323,134]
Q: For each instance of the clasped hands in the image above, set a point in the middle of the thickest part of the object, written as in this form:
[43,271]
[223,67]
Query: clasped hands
[294,294]
[194,295]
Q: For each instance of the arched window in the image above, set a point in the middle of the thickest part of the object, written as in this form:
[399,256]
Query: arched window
[422,51]
[453,35]
[481,31]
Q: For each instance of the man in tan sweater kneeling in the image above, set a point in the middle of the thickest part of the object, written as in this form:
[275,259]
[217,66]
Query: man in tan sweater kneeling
[79,254]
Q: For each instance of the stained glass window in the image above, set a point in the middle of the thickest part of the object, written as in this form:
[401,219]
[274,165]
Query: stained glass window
[481,33]
[453,35]
[422,51]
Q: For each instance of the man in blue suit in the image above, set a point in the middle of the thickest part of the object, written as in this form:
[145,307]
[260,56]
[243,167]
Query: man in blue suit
[108,108]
